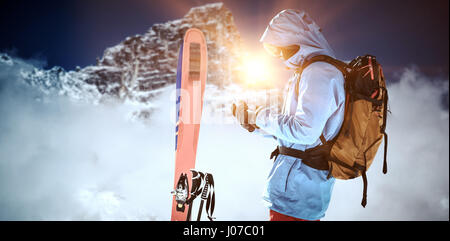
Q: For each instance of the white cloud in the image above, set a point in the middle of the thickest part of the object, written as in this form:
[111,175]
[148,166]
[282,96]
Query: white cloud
[65,160]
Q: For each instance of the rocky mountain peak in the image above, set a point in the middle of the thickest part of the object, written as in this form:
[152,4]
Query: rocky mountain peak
[141,64]
[146,62]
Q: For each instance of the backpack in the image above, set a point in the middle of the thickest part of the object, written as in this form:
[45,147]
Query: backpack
[352,151]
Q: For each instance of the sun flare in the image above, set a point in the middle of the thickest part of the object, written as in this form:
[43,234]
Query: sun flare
[256,70]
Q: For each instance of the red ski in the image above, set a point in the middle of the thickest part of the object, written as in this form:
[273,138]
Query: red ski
[190,85]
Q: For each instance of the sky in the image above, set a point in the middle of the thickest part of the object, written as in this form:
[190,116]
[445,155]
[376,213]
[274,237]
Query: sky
[74,33]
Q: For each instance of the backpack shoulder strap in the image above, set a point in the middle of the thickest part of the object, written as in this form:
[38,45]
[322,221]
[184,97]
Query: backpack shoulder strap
[341,66]
[325,58]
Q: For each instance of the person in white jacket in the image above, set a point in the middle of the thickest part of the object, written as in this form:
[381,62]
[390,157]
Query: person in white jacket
[313,105]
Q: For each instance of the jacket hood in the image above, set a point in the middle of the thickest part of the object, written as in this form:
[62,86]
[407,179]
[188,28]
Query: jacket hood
[294,27]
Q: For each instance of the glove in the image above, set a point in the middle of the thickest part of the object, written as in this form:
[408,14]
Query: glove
[245,117]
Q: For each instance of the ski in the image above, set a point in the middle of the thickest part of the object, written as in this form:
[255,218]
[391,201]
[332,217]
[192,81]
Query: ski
[190,86]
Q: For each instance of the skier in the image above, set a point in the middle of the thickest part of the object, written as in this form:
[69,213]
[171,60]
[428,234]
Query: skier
[313,111]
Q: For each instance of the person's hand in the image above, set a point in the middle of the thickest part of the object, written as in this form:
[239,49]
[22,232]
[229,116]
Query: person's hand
[245,117]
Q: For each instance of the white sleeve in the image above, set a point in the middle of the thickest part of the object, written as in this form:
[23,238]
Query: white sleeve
[317,101]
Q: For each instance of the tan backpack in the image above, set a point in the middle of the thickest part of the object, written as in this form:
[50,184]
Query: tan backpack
[353,150]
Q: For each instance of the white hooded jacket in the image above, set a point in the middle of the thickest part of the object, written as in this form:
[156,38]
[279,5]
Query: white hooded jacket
[294,189]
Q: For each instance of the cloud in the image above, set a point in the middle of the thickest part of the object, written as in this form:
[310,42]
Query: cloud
[416,185]
[66,160]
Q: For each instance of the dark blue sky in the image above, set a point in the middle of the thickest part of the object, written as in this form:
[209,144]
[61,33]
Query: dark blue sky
[70,33]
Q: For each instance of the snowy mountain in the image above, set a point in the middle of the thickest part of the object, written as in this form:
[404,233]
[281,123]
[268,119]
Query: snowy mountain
[136,68]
